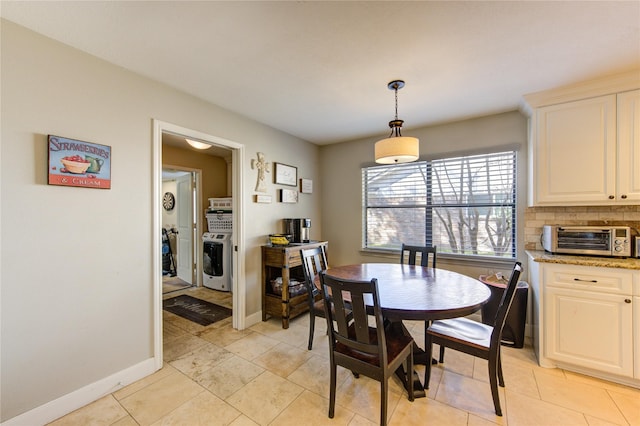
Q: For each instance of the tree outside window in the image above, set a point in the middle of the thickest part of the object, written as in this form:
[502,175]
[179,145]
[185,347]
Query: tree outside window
[464,205]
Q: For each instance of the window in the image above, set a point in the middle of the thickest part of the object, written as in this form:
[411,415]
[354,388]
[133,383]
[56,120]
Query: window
[463,205]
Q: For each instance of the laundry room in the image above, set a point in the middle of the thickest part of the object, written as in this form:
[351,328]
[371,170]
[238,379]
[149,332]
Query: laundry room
[196,215]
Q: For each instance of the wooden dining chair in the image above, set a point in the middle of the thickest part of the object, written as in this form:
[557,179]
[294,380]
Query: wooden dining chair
[477,339]
[426,253]
[358,340]
[314,260]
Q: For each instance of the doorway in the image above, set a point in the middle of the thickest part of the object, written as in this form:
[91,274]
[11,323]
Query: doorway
[180,187]
[237,243]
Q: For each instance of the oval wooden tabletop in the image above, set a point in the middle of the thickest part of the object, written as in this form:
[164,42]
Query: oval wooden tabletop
[410,292]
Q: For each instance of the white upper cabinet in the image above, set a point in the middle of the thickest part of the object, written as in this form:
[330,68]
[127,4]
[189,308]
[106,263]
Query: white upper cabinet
[584,146]
[628,183]
[575,152]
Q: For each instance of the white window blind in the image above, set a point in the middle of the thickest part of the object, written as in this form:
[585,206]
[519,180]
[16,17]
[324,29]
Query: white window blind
[462,205]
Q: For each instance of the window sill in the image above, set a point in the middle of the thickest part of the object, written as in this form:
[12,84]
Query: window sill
[448,259]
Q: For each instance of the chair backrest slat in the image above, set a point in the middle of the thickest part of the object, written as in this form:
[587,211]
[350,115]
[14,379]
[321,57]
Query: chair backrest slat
[341,312]
[426,253]
[505,302]
[360,318]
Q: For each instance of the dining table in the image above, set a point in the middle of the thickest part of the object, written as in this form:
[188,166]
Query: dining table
[417,293]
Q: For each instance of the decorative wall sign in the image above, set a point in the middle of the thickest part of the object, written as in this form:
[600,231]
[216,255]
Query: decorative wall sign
[286,175]
[306,186]
[263,167]
[263,198]
[289,195]
[78,163]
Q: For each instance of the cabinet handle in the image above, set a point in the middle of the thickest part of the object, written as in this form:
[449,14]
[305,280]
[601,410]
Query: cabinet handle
[627,300]
[611,197]
[585,281]
[624,197]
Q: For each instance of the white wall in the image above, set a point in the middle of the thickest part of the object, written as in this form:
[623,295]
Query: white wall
[342,188]
[76,263]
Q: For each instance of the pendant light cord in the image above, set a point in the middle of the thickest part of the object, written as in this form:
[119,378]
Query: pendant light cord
[396,90]
[396,125]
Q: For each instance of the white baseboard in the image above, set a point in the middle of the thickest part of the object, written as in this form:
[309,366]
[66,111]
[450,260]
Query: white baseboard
[79,398]
[253,319]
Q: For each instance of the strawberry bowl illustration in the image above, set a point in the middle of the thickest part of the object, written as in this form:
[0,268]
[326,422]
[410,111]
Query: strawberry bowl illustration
[75,164]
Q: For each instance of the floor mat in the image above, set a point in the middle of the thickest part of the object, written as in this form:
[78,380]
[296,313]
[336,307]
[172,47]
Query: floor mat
[196,310]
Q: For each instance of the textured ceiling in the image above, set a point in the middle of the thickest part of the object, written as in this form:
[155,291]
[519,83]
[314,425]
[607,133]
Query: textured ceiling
[319,70]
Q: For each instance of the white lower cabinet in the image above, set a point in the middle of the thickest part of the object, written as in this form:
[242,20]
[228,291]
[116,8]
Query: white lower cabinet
[589,329]
[587,319]
[636,327]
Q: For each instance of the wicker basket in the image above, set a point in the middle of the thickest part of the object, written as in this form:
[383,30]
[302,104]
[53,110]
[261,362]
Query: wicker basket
[220,222]
[220,203]
[296,287]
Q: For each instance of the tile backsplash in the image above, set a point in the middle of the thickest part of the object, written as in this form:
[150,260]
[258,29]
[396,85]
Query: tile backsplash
[536,217]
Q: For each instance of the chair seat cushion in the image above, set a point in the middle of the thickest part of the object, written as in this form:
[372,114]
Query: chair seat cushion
[318,307]
[396,343]
[463,329]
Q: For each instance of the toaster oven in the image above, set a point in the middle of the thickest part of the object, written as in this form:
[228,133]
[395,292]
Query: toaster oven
[613,241]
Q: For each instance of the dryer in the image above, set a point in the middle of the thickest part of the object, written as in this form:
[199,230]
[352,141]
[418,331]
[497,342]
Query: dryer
[216,267]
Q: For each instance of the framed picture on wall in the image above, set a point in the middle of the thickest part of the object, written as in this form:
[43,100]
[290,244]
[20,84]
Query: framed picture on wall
[306,186]
[78,163]
[285,175]
[288,195]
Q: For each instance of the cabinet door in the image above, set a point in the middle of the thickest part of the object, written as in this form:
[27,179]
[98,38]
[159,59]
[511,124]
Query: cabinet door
[628,186]
[636,333]
[575,153]
[589,329]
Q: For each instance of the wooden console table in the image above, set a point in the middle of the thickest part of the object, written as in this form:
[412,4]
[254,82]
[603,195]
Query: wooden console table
[285,262]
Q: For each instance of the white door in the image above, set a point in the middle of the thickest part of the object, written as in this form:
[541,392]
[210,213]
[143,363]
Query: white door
[184,204]
[589,329]
[636,326]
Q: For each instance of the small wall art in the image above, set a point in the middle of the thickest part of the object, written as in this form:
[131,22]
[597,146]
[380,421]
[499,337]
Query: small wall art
[78,163]
[286,175]
[262,198]
[262,166]
[288,195]
[306,186]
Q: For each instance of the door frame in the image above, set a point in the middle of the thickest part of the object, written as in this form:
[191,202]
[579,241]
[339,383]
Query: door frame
[237,172]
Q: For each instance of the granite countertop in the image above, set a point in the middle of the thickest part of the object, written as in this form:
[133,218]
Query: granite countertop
[566,259]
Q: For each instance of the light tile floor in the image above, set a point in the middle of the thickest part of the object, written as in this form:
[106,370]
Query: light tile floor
[171,284]
[265,375]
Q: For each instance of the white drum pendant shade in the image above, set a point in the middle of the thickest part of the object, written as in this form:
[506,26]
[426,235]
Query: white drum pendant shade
[400,149]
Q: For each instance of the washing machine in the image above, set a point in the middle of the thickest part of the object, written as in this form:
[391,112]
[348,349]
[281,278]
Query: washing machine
[216,266]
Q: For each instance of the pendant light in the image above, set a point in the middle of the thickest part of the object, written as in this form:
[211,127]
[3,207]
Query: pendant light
[397,148]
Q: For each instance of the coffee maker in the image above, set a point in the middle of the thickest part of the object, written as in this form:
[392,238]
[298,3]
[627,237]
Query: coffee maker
[299,229]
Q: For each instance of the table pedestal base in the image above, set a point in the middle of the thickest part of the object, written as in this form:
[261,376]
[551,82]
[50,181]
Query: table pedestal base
[419,357]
